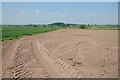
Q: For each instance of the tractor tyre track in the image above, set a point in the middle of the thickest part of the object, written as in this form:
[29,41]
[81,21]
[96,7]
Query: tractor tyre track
[56,64]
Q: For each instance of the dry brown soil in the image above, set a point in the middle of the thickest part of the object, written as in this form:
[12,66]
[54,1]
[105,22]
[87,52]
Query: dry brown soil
[65,53]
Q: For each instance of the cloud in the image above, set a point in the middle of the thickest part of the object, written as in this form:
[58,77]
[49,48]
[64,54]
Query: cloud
[92,13]
[50,13]
[38,13]
[28,15]
[62,15]
[20,12]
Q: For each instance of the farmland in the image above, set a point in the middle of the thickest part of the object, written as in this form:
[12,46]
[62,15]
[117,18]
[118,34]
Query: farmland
[11,32]
[63,53]
[59,39]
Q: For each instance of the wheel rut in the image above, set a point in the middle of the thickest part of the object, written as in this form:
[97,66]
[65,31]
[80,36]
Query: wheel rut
[19,71]
[31,59]
[26,64]
[57,65]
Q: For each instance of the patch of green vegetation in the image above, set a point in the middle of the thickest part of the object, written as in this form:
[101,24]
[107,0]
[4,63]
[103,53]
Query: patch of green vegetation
[12,32]
[82,27]
[100,27]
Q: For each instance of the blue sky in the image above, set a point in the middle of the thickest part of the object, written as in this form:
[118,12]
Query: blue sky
[60,0]
[68,12]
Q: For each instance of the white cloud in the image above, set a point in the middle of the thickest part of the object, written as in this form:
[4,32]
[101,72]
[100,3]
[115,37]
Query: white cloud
[28,15]
[62,15]
[92,13]
[20,12]
[38,13]
[50,13]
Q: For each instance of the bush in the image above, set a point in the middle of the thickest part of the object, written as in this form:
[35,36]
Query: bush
[82,26]
[6,36]
[16,36]
[10,39]
[29,34]
[26,34]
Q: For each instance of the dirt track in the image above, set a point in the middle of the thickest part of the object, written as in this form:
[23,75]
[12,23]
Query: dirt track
[62,53]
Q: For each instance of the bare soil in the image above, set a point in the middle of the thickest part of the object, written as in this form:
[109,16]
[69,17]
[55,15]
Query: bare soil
[65,53]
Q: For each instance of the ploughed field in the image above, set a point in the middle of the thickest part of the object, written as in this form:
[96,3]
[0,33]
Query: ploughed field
[64,53]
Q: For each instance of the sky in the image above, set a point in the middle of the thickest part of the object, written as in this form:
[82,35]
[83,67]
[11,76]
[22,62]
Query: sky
[67,12]
[0,13]
[60,0]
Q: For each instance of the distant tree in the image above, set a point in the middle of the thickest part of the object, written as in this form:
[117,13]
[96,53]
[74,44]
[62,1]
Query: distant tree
[67,25]
[31,25]
[82,26]
[44,25]
[57,24]
[50,25]
[88,24]
[17,25]
[35,25]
